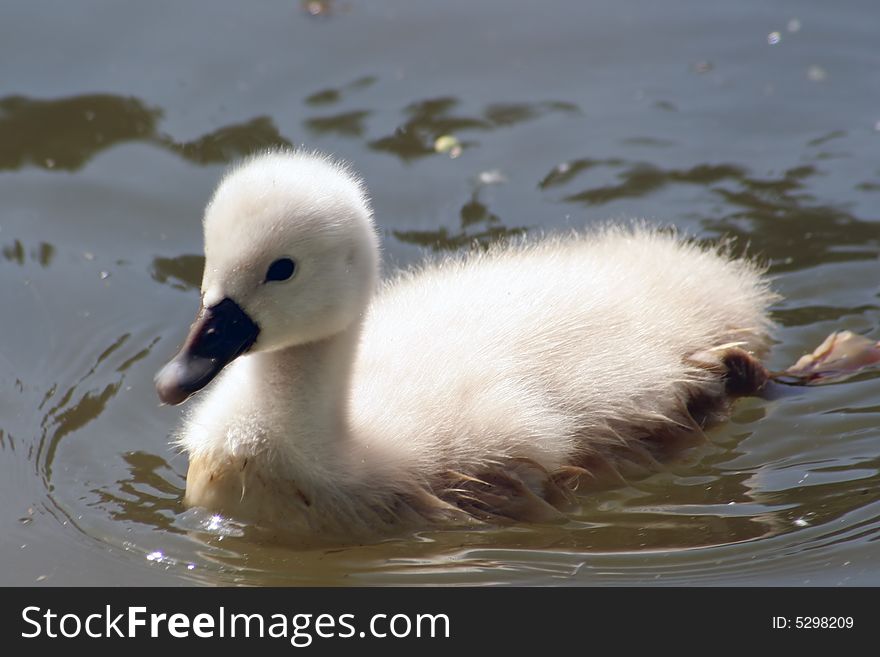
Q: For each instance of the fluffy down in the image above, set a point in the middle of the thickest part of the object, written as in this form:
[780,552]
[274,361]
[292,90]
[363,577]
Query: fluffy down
[484,386]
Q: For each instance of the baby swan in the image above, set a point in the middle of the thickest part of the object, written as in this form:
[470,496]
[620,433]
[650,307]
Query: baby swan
[484,386]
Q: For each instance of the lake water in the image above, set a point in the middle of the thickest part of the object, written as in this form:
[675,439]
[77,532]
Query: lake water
[751,119]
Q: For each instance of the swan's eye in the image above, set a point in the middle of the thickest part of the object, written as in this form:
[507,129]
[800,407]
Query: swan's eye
[280,270]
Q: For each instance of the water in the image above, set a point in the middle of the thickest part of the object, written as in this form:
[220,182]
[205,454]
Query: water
[743,119]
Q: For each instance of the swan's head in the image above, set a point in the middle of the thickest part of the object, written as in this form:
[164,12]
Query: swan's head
[291,257]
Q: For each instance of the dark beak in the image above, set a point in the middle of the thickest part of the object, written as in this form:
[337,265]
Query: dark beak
[220,334]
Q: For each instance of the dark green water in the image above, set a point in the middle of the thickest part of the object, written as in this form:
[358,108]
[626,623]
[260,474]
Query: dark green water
[116,120]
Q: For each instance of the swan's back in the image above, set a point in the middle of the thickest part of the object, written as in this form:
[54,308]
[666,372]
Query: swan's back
[549,350]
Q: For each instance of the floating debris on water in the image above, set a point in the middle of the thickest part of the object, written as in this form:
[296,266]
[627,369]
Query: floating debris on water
[773,38]
[794,25]
[448,144]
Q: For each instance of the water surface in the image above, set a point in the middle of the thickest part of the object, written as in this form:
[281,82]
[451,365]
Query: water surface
[741,119]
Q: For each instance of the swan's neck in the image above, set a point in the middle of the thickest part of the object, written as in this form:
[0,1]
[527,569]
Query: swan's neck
[304,391]
[288,452]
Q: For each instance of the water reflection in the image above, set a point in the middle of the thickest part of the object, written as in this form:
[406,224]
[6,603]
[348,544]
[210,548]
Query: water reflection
[848,485]
[183,272]
[624,522]
[151,494]
[568,171]
[42,254]
[65,417]
[641,179]
[334,95]
[429,119]
[14,252]
[74,410]
[479,226]
[348,124]
[796,230]
[228,143]
[7,441]
[824,139]
[66,133]
[806,315]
